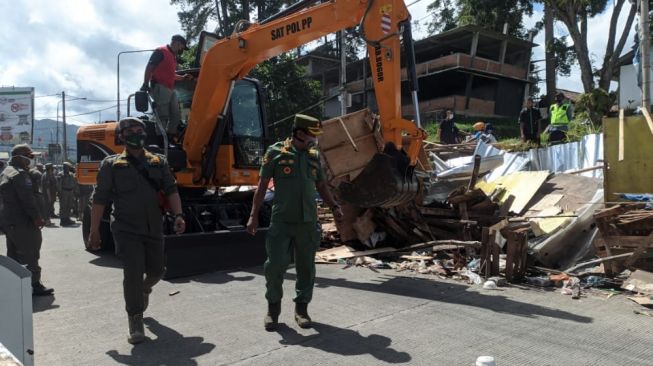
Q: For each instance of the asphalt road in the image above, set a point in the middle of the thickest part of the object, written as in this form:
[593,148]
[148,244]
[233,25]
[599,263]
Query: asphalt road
[362,318]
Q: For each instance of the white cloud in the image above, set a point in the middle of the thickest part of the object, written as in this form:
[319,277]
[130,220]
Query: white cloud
[72,45]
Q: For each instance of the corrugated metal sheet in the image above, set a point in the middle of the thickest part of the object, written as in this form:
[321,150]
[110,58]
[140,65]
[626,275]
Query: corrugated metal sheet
[586,153]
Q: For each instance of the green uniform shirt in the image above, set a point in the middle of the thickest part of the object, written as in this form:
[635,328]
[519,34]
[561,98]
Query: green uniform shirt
[135,201]
[18,197]
[295,173]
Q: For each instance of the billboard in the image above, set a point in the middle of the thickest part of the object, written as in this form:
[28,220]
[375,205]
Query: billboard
[16,115]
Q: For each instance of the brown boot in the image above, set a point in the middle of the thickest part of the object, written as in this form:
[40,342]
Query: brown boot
[136,329]
[301,315]
[272,318]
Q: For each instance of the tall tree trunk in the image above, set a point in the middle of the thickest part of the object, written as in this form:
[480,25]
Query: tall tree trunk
[612,53]
[221,21]
[227,24]
[550,57]
[246,10]
[568,14]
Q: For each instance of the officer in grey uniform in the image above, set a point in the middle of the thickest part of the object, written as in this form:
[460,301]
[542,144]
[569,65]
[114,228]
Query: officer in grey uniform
[68,185]
[134,181]
[36,174]
[20,218]
[50,189]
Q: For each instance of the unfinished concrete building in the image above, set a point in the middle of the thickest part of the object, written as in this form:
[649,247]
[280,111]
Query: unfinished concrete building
[471,70]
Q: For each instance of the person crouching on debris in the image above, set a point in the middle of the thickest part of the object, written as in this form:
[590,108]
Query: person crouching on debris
[294,164]
[134,181]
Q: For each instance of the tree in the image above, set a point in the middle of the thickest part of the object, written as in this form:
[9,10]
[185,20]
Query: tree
[289,92]
[575,14]
[288,89]
[195,14]
[490,14]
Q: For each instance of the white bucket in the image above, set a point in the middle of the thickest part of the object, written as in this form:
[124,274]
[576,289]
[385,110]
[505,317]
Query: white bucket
[485,361]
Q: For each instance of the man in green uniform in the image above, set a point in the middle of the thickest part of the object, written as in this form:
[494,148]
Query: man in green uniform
[133,181]
[20,218]
[67,201]
[50,189]
[294,164]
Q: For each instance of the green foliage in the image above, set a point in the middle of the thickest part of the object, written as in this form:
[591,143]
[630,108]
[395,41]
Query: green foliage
[195,14]
[594,105]
[565,56]
[490,14]
[187,58]
[505,128]
[289,92]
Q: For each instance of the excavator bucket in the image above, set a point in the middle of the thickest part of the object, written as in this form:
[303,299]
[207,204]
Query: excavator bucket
[386,181]
[363,176]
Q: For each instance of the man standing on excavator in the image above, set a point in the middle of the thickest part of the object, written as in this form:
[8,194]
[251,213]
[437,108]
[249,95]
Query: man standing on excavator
[295,166]
[159,81]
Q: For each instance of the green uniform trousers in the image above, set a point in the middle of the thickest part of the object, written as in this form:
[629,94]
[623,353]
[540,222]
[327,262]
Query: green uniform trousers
[140,255]
[66,204]
[282,239]
[24,246]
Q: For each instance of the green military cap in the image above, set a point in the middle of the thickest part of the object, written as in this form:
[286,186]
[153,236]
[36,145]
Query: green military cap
[130,122]
[308,123]
[24,150]
[68,164]
[48,165]
[39,165]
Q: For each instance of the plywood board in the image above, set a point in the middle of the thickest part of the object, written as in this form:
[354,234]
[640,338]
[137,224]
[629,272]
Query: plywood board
[548,201]
[634,174]
[520,187]
[348,144]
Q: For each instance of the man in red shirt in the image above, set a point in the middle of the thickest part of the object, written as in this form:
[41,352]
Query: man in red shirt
[159,80]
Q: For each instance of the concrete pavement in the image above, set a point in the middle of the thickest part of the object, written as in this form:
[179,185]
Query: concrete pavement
[363,318]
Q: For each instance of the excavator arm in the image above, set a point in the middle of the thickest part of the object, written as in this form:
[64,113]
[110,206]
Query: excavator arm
[231,59]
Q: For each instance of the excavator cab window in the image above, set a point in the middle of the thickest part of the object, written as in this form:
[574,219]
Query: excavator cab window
[246,119]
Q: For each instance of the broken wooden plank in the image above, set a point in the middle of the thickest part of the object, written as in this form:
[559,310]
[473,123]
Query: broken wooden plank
[622,142]
[345,252]
[596,261]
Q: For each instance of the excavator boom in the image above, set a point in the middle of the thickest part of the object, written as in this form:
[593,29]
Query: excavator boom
[230,59]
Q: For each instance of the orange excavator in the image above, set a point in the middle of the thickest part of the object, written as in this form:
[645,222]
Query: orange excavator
[225,136]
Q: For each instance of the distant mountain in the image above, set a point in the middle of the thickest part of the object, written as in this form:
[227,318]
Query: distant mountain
[45,132]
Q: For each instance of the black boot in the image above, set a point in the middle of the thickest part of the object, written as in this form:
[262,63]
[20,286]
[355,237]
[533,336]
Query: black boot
[301,315]
[136,329]
[272,318]
[39,290]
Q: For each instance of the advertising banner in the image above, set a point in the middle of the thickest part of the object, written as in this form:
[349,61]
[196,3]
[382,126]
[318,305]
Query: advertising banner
[16,115]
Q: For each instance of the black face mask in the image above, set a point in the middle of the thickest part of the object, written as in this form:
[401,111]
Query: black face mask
[135,140]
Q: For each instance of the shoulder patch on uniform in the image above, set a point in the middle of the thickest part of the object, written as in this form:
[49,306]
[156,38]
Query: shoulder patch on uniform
[152,159]
[313,153]
[10,171]
[119,161]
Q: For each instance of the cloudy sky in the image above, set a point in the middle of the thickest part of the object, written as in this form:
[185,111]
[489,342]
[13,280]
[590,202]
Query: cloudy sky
[72,45]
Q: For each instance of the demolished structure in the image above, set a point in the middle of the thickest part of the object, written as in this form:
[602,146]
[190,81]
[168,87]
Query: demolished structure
[537,216]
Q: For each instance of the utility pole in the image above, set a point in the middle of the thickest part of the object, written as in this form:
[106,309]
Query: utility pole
[65,139]
[343,74]
[645,44]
